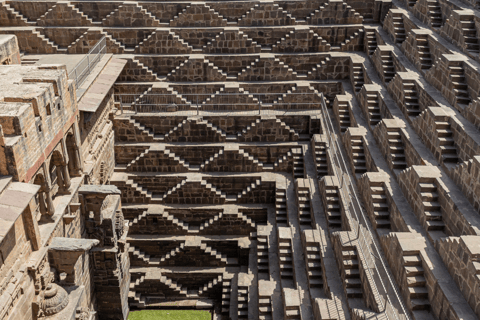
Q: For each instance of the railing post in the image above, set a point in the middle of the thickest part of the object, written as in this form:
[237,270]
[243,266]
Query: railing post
[197,104]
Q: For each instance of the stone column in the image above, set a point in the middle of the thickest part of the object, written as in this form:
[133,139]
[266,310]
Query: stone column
[66,177]
[41,200]
[50,206]
[76,165]
[60,182]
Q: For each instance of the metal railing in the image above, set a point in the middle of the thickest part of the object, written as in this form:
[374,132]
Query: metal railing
[232,102]
[365,236]
[85,66]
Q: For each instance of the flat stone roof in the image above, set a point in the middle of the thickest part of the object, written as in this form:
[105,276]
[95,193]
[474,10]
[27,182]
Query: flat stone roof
[69,60]
[13,201]
[14,74]
[13,109]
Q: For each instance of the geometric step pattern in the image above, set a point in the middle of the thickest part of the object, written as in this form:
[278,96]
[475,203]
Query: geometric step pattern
[196,129]
[134,14]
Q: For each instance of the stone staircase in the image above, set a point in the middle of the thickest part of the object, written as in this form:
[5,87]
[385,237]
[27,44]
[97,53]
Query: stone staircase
[270,9]
[343,9]
[207,223]
[186,18]
[171,191]
[209,161]
[229,40]
[381,209]
[423,49]
[174,286]
[265,307]
[281,207]
[155,261]
[373,107]
[246,219]
[48,43]
[247,190]
[371,41]
[242,298]
[356,37]
[243,96]
[143,131]
[313,261]
[358,155]
[13,14]
[218,280]
[287,100]
[146,70]
[343,115]
[469,32]
[177,222]
[321,159]
[445,139]
[358,78]
[175,130]
[251,72]
[226,290]
[398,27]
[249,128]
[215,191]
[136,299]
[137,282]
[304,206]
[288,157]
[431,206]
[262,255]
[175,158]
[252,159]
[332,209]
[203,64]
[387,66]
[411,102]
[119,45]
[145,43]
[285,259]
[293,313]
[396,148]
[142,190]
[460,87]
[298,167]
[434,12]
[292,37]
[414,272]
[218,255]
[219,132]
[351,273]
[56,11]
[312,74]
[138,218]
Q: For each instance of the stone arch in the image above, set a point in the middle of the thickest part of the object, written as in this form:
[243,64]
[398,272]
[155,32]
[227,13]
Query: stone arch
[44,197]
[59,175]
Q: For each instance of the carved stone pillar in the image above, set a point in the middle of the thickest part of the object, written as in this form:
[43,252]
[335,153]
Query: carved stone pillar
[74,165]
[41,200]
[50,206]
[60,182]
[66,177]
